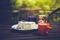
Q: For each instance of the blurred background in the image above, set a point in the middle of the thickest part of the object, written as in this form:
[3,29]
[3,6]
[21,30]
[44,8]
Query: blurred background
[13,11]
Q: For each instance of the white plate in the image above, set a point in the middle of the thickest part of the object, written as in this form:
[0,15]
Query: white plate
[16,27]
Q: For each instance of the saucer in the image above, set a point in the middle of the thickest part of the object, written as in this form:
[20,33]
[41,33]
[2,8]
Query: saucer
[15,27]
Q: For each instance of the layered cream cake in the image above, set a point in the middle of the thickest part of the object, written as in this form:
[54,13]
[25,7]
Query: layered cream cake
[26,25]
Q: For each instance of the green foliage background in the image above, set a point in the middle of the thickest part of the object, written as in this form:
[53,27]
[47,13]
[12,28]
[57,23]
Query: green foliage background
[44,4]
[47,6]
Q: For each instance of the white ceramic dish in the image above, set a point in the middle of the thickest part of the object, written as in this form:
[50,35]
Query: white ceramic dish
[15,27]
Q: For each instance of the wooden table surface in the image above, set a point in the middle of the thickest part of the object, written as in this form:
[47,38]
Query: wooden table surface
[7,34]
